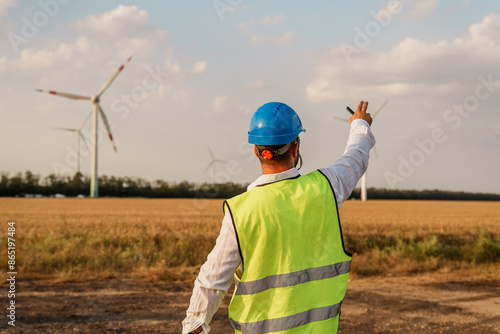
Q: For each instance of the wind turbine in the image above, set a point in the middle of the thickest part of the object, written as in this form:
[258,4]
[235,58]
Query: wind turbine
[79,135]
[364,190]
[94,183]
[212,164]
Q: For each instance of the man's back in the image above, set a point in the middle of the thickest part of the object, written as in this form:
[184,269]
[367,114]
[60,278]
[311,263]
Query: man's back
[295,267]
[287,247]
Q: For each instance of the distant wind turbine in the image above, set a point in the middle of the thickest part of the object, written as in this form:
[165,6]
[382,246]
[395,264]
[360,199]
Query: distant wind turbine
[364,190]
[79,135]
[94,186]
[211,165]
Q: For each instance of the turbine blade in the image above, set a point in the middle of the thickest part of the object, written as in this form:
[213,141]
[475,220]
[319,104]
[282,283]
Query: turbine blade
[68,95]
[211,153]
[106,125]
[85,120]
[113,76]
[209,165]
[65,129]
[84,140]
[341,119]
[380,108]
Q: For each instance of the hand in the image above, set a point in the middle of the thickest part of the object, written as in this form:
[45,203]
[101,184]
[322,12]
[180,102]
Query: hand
[197,330]
[361,113]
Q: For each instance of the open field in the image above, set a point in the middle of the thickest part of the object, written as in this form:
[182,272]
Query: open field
[127,265]
[170,238]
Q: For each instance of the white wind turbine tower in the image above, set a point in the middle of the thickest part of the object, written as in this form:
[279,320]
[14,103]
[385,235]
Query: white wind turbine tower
[94,186]
[211,165]
[364,191]
[79,136]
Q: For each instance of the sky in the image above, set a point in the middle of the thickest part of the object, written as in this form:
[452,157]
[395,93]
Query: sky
[200,69]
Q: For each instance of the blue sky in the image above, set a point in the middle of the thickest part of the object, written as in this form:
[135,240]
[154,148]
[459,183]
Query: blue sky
[435,62]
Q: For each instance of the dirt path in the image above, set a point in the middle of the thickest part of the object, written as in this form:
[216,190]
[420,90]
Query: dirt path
[372,305]
[419,305]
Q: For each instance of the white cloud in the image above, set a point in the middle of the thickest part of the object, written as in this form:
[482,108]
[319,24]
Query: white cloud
[488,29]
[119,22]
[285,39]
[413,67]
[199,67]
[163,90]
[104,39]
[389,8]
[172,66]
[249,28]
[267,20]
[108,37]
[6,4]
[422,9]
[126,28]
[82,64]
[257,86]
[219,103]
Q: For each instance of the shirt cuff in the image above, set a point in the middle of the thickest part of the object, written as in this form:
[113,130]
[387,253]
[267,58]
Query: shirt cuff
[358,122]
[205,328]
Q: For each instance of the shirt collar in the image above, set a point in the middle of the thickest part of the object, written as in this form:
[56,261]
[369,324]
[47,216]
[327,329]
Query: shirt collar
[270,178]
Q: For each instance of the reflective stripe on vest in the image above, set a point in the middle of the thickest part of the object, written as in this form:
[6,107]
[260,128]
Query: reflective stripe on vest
[295,268]
[286,323]
[298,277]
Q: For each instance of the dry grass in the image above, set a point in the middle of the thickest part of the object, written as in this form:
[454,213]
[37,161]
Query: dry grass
[169,239]
[421,218]
[401,237]
[72,238]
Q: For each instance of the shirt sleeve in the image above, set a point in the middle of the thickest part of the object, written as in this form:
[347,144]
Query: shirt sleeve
[214,279]
[345,173]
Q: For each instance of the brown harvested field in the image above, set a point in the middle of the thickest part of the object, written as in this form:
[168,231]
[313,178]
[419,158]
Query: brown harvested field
[127,265]
[420,217]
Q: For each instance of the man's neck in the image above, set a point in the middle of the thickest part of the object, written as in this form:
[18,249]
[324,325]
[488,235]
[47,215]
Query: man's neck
[266,169]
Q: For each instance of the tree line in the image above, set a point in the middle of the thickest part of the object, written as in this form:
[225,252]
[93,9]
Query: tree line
[28,184]
[383,193]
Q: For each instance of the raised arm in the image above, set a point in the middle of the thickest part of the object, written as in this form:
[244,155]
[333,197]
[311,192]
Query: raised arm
[348,169]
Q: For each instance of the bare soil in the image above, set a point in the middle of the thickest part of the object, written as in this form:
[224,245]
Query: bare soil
[415,304]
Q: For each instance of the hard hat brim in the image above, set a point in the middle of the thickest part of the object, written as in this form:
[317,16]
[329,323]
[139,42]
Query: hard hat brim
[273,139]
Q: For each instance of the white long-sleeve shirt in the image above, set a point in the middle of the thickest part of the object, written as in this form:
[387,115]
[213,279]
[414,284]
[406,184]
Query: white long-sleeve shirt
[216,275]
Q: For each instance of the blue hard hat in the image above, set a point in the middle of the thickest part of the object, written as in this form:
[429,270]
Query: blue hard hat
[274,123]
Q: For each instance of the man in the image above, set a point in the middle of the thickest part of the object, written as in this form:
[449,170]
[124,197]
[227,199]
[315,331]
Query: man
[282,237]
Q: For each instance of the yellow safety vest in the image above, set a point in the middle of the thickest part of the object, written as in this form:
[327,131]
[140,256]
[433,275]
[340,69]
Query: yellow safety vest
[295,267]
